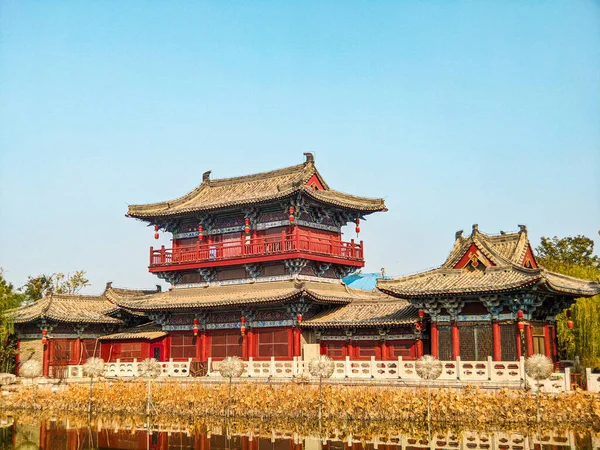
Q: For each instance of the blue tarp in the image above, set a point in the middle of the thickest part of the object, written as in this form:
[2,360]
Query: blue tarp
[365,281]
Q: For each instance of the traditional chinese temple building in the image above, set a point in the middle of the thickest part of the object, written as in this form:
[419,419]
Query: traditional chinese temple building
[490,298]
[256,267]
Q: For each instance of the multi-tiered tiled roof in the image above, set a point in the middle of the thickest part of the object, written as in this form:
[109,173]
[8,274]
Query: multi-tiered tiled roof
[241,295]
[254,189]
[484,264]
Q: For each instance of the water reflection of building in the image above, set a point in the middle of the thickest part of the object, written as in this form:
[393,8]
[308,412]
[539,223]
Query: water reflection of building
[255,269]
[61,435]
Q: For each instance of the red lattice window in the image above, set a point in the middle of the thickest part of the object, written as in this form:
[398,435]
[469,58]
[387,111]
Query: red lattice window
[91,348]
[226,344]
[131,350]
[273,343]
[63,350]
[335,350]
[366,349]
[183,346]
[396,349]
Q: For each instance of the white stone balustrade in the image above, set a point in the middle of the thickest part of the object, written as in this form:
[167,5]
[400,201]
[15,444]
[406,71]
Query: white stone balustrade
[593,380]
[454,372]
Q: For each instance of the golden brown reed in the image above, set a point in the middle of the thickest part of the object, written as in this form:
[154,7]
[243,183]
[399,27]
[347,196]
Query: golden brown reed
[469,406]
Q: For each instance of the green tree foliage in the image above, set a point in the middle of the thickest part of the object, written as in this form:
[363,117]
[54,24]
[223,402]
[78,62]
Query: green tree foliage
[43,285]
[9,298]
[574,256]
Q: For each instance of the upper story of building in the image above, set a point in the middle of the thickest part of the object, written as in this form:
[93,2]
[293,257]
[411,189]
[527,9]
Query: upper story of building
[278,223]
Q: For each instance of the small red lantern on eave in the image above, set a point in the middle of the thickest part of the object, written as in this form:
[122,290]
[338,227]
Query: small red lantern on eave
[156,228]
[357,221]
[569,324]
[299,317]
[156,236]
[521,326]
[196,321]
[421,313]
[519,314]
[200,233]
[44,336]
[243,327]
[247,225]
[292,210]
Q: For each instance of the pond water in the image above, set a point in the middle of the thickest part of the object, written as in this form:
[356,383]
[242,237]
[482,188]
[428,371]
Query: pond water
[30,433]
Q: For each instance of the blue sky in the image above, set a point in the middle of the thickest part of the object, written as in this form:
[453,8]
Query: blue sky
[457,112]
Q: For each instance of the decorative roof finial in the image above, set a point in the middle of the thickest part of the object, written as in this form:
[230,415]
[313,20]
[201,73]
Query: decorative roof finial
[523,229]
[458,234]
[206,176]
[475,227]
[108,284]
[158,288]
[310,158]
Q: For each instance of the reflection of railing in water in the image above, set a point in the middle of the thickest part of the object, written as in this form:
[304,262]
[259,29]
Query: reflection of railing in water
[108,434]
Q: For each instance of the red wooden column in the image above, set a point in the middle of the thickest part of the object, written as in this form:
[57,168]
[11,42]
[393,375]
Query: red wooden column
[497,350]
[419,348]
[46,359]
[455,341]
[203,346]
[245,346]
[529,339]
[384,350]
[554,343]
[77,351]
[297,341]
[547,338]
[435,338]
[519,343]
[18,358]
[251,343]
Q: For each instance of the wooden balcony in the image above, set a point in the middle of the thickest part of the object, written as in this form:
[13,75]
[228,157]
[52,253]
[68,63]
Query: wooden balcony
[298,244]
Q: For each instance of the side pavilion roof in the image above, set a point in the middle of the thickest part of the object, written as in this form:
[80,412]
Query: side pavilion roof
[484,264]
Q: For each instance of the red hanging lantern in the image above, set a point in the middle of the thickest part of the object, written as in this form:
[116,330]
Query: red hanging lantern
[569,313]
[243,327]
[156,228]
[521,326]
[519,314]
[196,326]
[200,233]
[156,236]
[570,324]
[292,209]
[357,221]
[421,313]
[44,336]
[247,225]
[299,317]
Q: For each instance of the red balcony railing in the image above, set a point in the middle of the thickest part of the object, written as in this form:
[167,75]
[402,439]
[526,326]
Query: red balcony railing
[298,241]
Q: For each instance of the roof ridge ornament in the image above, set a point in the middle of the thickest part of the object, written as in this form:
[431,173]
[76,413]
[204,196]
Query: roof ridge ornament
[458,234]
[522,229]
[475,228]
[310,158]
[206,176]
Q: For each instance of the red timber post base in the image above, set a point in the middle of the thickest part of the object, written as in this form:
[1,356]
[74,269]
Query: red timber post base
[435,339]
[455,341]
[496,341]
[519,341]
[554,342]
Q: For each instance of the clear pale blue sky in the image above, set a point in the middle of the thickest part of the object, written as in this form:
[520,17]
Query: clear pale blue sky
[457,112]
